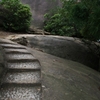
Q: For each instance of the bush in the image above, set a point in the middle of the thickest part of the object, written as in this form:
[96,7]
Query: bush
[92,27]
[18,17]
[57,25]
[3,12]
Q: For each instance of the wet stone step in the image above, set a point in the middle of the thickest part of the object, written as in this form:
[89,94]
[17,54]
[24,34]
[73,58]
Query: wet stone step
[23,77]
[12,46]
[11,50]
[20,92]
[6,42]
[17,56]
[10,42]
[35,65]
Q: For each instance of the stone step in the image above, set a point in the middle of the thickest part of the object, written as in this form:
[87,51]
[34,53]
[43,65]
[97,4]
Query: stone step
[20,92]
[32,65]
[12,46]
[20,60]
[6,42]
[22,81]
[16,50]
[23,77]
[13,43]
[19,56]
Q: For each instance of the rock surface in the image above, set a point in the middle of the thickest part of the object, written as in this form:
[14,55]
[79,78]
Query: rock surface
[70,48]
[67,80]
[22,81]
[61,79]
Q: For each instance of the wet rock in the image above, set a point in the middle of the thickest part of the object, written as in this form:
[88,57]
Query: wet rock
[64,79]
[79,50]
[69,48]
[22,41]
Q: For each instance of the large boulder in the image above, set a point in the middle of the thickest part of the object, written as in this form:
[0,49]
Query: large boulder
[62,79]
[70,48]
[67,80]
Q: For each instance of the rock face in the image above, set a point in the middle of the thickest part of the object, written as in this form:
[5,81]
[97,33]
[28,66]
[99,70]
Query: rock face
[39,8]
[61,79]
[69,48]
[67,80]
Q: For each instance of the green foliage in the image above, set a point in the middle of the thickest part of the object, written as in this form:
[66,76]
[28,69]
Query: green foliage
[18,17]
[81,19]
[59,23]
[92,26]
[56,23]
[3,12]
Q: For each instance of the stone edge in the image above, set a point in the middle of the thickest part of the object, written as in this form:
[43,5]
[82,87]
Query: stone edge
[3,68]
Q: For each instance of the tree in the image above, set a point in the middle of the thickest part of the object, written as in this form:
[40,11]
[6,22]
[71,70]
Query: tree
[3,12]
[19,16]
[81,19]
[60,23]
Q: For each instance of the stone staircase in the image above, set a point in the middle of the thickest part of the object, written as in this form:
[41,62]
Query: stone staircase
[22,81]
